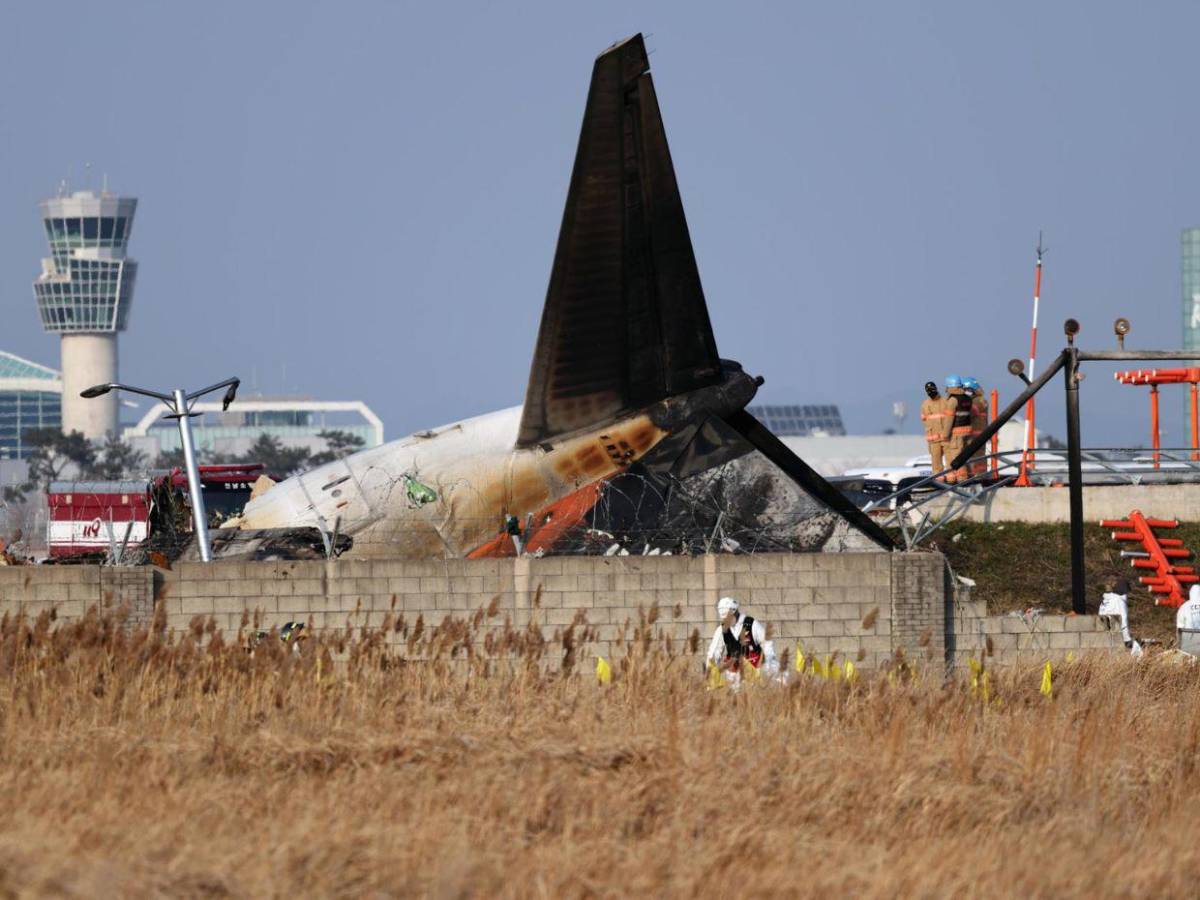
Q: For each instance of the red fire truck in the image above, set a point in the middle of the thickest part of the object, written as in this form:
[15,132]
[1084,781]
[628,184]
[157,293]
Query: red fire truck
[93,516]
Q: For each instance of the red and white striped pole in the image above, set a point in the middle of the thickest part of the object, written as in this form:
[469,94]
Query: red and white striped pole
[1028,443]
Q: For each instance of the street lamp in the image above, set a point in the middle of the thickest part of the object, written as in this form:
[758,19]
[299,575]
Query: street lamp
[180,404]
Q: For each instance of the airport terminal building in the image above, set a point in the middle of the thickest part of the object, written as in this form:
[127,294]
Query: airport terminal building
[799,421]
[30,397]
[294,422]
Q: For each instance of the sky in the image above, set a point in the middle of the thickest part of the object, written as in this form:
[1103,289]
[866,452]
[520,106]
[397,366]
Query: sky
[360,200]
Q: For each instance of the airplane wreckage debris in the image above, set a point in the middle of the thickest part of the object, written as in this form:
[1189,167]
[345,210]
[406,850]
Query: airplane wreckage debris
[633,437]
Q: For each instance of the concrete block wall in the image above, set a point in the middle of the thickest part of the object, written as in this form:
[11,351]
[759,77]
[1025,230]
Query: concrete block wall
[1026,639]
[818,600]
[860,606]
[918,591]
[1100,501]
[71,590]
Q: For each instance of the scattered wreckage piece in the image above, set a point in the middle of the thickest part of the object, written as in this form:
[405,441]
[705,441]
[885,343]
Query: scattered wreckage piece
[269,544]
[290,633]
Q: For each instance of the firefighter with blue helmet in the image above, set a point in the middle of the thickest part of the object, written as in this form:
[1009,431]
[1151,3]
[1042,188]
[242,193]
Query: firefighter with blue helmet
[979,417]
[960,427]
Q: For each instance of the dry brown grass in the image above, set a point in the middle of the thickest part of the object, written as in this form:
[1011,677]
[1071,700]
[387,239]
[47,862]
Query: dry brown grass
[135,763]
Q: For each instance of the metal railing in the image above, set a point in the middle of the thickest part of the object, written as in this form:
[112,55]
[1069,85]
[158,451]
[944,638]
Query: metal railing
[910,509]
[919,509]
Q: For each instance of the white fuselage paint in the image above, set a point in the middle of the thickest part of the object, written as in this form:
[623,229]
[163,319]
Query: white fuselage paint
[473,466]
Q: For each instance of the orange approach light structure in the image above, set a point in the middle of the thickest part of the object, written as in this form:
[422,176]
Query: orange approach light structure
[1156,377]
[1168,580]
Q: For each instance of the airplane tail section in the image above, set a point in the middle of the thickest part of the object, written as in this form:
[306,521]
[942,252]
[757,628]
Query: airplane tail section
[625,323]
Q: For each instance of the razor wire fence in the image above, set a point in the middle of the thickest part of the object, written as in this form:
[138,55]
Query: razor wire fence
[733,508]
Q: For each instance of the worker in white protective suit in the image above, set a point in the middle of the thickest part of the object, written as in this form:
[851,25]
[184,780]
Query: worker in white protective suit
[1188,617]
[1115,605]
[740,640]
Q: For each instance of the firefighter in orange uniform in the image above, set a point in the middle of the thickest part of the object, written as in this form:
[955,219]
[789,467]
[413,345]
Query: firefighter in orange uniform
[979,417]
[937,412]
[960,428]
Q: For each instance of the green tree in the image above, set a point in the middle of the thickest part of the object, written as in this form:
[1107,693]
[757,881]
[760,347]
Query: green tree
[173,459]
[338,445]
[117,460]
[280,461]
[56,454]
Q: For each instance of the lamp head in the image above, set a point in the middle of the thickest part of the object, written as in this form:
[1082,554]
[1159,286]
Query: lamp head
[1120,329]
[1070,329]
[1017,367]
[230,394]
[96,390]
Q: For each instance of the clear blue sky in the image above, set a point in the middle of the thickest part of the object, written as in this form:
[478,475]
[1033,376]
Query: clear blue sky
[360,200]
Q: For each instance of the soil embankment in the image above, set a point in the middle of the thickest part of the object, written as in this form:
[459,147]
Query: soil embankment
[1016,565]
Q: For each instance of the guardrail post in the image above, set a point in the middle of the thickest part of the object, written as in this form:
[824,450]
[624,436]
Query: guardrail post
[1195,421]
[1154,429]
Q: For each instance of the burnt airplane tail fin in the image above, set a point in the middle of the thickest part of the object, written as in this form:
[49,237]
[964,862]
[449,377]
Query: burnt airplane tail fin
[625,323]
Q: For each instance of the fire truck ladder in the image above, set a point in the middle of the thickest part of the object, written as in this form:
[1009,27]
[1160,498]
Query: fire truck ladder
[1167,583]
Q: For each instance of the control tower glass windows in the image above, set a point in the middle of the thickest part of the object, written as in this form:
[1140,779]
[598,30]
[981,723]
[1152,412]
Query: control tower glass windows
[66,234]
[87,281]
[91,295]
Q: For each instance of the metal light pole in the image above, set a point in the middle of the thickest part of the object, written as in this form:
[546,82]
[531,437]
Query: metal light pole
[1069,360]
[180,403]
[1071,378]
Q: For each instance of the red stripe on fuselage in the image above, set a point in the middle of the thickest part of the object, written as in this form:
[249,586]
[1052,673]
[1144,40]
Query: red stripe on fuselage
[549,525]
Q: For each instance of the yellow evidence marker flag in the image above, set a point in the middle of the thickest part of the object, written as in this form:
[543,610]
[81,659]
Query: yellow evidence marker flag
[976,669]
[603,670]
[1047,681]
[715,679]
[750,674]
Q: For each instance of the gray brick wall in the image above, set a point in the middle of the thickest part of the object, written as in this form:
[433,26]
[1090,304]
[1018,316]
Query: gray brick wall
[918,598]
[1026,639]
[860,606]
[71,590]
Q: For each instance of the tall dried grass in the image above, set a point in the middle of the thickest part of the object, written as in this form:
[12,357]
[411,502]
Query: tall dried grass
[136,762]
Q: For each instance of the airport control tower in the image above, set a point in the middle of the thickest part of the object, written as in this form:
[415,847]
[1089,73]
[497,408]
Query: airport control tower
[83,294]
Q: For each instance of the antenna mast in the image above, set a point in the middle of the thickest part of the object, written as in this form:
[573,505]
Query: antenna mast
[1028,444]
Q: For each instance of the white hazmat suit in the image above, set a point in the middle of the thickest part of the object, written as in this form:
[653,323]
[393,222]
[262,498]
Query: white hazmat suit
[1188,616]
[1115,605]
[758,632]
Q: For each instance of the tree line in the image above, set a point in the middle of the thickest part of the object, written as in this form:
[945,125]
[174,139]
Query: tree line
[57,455]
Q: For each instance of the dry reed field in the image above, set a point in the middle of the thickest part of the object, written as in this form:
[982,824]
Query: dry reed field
[136,762]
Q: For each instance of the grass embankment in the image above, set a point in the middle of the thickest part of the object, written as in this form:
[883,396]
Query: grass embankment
[1017,565]
[138,764]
